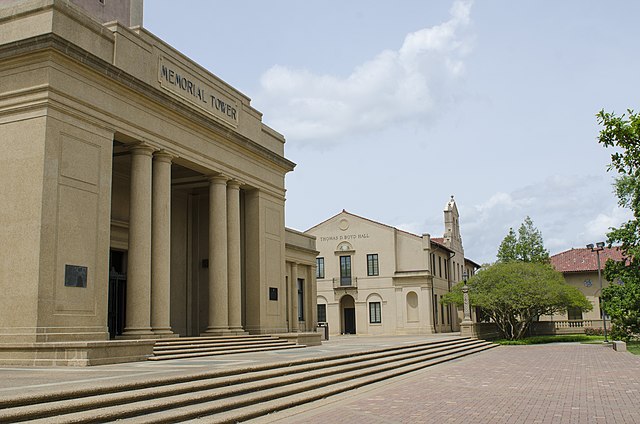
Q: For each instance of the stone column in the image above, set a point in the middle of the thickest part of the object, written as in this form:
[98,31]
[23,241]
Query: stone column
[218,293]
[428,298]
[138,309]
[294,298]
[161,245]
[233,256]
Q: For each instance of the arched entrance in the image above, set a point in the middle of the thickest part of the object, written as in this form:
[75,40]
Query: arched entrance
[348,315]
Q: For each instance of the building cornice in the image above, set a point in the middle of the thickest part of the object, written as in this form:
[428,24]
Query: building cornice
[66,48]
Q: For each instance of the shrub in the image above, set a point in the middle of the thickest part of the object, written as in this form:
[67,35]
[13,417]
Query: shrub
[591,331]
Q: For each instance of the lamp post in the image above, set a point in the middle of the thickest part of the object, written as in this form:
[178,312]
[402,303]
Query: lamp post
[465,297]
[597,248]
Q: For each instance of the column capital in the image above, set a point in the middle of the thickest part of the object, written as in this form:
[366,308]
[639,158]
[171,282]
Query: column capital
[234,184]
[218,179]
[163,156]
[141,149]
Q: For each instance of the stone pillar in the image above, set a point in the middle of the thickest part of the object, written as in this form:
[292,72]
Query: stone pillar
[428,297]
[138,309]
[218,293]
[161,246]
[233,256]
[466,326]
[293,284]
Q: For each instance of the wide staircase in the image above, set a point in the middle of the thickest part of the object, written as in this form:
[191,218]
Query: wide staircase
[233,395]
[191,347]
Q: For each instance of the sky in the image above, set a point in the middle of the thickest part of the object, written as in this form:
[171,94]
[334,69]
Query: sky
[390,108]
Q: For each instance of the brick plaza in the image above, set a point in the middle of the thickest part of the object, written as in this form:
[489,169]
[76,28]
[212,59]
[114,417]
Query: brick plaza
[560,383]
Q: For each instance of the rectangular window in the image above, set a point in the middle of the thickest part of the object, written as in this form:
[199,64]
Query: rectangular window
[345,270]
[300,299]
[322,313]
[433,264]
[319,267]
[435,308]
[375,313]
[446,269]
[372,264]
[440,266]
[574,314]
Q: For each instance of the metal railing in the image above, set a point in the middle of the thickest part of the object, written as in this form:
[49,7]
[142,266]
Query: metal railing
[345,283]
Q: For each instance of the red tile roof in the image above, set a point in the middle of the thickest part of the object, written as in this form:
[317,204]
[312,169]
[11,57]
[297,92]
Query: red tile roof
[583,259]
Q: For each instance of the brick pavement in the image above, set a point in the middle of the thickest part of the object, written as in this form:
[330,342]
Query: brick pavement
[560,383]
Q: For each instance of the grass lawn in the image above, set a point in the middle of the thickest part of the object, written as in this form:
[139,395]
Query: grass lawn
[563,338]
[634,347]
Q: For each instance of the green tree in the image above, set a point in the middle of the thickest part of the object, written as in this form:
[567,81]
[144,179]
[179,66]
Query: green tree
[622,301]
[508,248]
[528,246]
[514,293]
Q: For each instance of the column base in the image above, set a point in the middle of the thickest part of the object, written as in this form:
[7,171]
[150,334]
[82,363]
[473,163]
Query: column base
[238,331]
[217,331]
[467,329]
[137,333]
[163,333]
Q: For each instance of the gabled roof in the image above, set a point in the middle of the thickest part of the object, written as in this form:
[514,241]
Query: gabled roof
[439,242]
[475,264]
[434,240]
[344,212]
[583,259]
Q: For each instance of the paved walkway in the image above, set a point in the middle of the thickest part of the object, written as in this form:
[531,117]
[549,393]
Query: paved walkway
[25,380]
[560,383]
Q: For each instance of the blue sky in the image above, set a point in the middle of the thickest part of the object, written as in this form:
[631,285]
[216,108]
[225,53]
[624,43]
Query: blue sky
[389,108]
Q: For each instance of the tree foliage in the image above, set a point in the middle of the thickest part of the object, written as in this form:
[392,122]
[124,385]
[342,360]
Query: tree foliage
[514,293]
[527,246]
[622,301]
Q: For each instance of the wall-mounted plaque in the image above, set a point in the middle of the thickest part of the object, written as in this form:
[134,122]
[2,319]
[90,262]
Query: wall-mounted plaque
[273,293]
[75,276]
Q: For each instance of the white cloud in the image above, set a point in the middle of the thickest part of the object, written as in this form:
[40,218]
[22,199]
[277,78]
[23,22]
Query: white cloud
[559,207]
[410,84]
[603,222]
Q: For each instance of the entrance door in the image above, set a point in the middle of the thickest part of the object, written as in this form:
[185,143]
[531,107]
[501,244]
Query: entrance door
[117,293]
[349,320]
[348,314]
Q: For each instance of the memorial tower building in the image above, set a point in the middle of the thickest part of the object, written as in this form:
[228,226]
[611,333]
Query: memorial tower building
[142,196]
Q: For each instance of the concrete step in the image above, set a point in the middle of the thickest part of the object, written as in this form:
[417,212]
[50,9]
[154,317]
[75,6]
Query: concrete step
[233,392]
[214,339]
[192,347]
[194,353]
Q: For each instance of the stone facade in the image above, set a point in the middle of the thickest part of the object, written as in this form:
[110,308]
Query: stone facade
[142,196]
[378,280]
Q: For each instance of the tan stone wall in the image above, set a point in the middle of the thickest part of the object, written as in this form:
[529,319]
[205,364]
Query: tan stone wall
[402,270]
[75,98]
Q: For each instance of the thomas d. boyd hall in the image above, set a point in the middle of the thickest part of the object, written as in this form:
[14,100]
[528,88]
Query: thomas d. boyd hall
[142,197]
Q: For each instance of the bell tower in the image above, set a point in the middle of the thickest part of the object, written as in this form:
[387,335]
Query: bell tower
[452,238]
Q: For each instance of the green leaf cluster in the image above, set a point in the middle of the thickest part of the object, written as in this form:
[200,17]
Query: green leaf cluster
[515,293]
[526,246]
[622,301]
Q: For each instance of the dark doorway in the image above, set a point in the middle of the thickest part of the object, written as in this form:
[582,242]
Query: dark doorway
[348,314]
[117,293]
[349,320]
